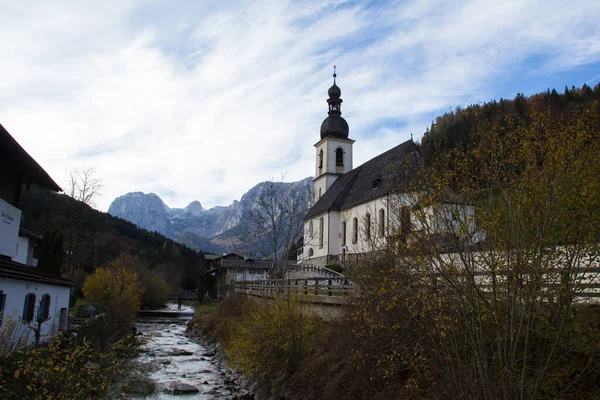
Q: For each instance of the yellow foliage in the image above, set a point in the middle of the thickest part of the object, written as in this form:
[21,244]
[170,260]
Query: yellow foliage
[116,289]
[271,334]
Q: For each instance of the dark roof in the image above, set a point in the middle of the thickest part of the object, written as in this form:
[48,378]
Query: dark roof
[18,271]
[13,156]
[335,126]
[391,171]
[334,92]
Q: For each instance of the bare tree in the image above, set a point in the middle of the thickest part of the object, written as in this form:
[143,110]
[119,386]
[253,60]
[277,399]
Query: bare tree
[272,225]
[83,185]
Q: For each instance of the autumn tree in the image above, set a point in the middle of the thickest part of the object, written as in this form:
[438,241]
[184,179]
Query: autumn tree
[116,290]
[488,296]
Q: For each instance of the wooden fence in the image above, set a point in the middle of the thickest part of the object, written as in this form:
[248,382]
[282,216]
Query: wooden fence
[325,287]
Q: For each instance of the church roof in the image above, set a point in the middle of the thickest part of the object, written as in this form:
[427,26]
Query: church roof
[391,171]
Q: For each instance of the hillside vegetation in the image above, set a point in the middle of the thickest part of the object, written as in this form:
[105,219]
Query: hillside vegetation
[92,238]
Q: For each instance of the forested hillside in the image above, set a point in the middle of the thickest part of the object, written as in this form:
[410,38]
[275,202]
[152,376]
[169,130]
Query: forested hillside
[92,238]
[464,128]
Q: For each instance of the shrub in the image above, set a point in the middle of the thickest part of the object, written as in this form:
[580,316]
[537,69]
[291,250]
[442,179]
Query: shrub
[60,369]
[117,292]
[269,336]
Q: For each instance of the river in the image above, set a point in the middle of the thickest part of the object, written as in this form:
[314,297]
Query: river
[176,361]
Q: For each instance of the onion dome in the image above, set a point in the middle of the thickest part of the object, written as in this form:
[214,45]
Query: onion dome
[334,91]
[334,125]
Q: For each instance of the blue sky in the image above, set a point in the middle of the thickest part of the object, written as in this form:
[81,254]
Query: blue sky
[199,100]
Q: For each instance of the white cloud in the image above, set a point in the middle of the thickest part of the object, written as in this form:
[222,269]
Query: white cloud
[202,101]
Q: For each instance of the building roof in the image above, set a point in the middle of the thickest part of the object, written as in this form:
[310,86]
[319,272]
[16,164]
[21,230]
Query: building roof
[391,171]
[334,125]
[18,271]
[14,157]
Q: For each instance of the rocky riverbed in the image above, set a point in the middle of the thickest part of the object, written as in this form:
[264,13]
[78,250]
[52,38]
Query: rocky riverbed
[181,366]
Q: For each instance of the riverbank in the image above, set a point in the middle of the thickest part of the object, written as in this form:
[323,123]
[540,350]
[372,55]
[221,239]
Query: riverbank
[276,352]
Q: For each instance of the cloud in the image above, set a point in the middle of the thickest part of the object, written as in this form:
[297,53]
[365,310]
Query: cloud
[202,101]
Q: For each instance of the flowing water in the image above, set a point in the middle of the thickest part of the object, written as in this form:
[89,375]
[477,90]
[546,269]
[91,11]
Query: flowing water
[177,361]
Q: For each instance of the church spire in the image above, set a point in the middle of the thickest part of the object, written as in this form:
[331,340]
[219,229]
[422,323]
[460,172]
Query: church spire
[334,125]
[334,100]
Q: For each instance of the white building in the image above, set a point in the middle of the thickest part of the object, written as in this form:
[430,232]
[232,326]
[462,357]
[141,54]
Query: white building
[358,210]
[32,303]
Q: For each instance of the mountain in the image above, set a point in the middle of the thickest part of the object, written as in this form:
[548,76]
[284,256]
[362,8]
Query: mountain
[93,238]
[214,230]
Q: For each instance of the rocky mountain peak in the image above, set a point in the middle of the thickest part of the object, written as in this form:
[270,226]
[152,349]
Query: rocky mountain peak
[192,224]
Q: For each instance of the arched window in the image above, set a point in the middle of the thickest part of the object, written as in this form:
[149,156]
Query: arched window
[321,229]
[339,157]
[321,159]
[355,230]
[344,233]
[310,229]
[320,194]
[368,226]
[405,220]
[310,252]
[381,222]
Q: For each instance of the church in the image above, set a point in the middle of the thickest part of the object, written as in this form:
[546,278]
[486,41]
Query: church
[357,210]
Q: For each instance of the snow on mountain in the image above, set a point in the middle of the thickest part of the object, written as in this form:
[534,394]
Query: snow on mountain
[148,211]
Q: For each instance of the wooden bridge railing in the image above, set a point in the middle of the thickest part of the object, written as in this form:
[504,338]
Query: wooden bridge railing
[331,287]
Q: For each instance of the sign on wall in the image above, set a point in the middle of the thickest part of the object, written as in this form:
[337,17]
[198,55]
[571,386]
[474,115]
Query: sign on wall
[10,220]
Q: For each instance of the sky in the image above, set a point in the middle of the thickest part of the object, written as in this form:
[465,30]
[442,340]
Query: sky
[201,100]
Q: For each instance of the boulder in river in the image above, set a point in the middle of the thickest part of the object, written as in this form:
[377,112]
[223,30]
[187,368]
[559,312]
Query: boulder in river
[180,352]
[181,388]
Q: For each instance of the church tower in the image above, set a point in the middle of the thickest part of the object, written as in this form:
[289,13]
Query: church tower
[334,150]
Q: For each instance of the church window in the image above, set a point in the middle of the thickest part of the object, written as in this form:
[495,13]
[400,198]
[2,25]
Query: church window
[321,160]
[321,229]
[339,157]
[381,222]
[344,233]
[310,229]
[311,252]
[320,194]
[355,230]
[368,226]
[405,214]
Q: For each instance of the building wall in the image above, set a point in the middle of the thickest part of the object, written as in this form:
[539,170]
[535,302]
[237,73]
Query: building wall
[24,255]
[333,244]
[16,290]
[246,274]
[329,146]
[323,178]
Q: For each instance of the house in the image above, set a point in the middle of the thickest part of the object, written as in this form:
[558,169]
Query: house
[358,210]
[232,267]
[33,305]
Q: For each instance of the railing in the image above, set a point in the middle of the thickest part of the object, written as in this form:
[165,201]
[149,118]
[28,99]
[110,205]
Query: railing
[307,271]
[326,287]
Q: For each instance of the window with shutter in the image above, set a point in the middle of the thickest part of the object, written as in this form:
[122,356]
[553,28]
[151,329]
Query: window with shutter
[28,307]
[46,307]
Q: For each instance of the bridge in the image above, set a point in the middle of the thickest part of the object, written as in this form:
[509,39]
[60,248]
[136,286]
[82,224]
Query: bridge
[331,290]
[181,296]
